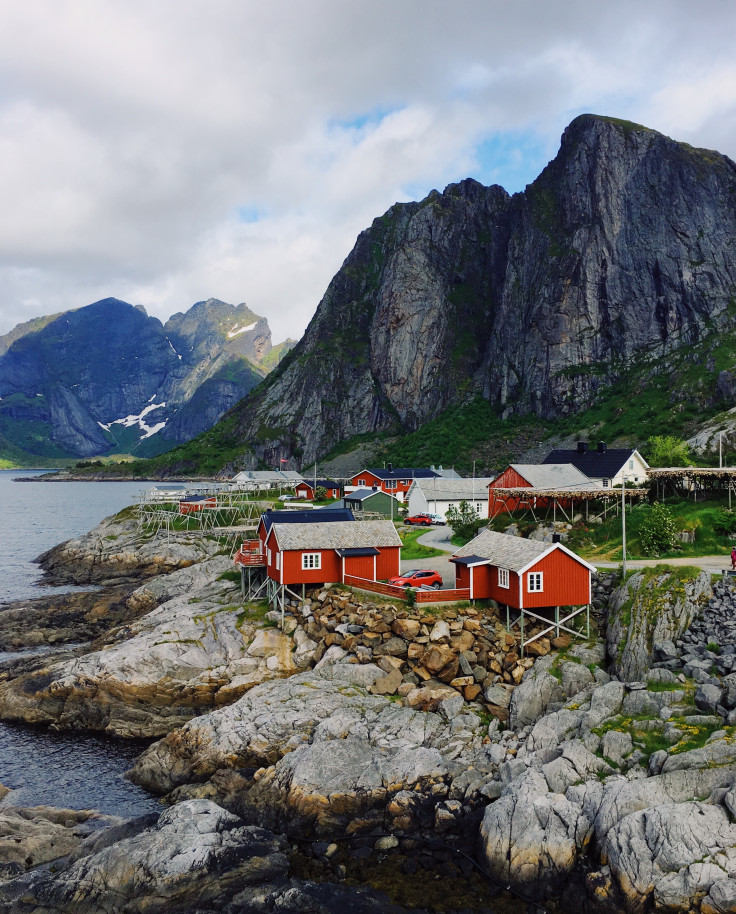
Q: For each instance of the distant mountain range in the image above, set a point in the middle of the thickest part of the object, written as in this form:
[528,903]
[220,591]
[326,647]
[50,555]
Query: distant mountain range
[107,378]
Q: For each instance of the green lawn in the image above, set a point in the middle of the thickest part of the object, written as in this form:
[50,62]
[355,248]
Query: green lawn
[411,549]
[602,542]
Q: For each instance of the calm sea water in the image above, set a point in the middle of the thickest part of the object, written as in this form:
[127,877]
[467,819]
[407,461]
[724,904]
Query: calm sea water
[76,771]
[37,516]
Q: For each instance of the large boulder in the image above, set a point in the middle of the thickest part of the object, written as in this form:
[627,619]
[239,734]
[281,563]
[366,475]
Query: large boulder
[172,665]
[651,607]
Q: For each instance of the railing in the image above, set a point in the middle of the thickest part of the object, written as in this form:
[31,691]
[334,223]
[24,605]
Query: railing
[250,554]
[399,593]
[443,596]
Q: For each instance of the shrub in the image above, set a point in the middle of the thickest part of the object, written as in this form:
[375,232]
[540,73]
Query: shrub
[463,521]
[659,531]
[668,451]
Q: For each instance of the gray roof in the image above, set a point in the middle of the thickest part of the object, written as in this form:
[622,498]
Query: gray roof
[363,493]
[337,535]
[512,552]
[553,475]
[444,489]
[275,476]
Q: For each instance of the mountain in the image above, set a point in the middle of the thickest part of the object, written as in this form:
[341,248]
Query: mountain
[623,249]
[108,378]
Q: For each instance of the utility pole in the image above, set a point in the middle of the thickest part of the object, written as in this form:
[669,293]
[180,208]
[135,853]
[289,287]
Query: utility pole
[623,523]
[720,450]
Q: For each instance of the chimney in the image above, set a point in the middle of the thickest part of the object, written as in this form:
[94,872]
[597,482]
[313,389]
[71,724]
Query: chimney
[390,467]
[556,538]
[602,447]
[582,447]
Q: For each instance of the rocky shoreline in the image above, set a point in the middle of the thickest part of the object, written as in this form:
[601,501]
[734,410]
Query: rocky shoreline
[366,738]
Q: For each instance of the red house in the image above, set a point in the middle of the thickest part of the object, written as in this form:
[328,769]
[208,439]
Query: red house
[395,481]
[320,553]
[522,573]
[553,476]
[307,489]
[316,516]
[195,503]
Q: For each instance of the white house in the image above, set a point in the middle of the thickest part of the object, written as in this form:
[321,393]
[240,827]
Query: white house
[437,495]
[603,465]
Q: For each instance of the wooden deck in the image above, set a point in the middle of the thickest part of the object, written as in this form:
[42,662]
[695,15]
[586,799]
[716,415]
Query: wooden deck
[249,554]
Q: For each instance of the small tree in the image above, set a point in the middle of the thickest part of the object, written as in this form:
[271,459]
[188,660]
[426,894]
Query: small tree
[668,451]
[320,493]
[658,532]
[463,521]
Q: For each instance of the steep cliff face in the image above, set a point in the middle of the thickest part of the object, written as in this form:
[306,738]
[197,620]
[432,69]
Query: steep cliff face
[623,246]
[109,378]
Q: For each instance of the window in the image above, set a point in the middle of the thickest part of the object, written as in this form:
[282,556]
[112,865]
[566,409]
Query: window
[268,555]
[631,464]
[311,560]
[478,507]
[361,482]
[503,577]
[535,584]
[278,561]
[606,483]
[390,483]
[406,482]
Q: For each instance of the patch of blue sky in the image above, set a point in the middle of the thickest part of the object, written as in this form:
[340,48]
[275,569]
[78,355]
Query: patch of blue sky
[360,122]
[512,158]
[249,214]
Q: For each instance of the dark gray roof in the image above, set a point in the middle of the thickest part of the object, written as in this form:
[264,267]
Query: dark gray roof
[362,494]
[401,473]
[339,535]
[357,552]
[594,463]
[314,516]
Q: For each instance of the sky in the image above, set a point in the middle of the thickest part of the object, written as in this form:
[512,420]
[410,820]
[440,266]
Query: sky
[171,151]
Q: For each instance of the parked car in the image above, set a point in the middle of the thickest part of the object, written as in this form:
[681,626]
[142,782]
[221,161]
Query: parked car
[287,497]
[421,520]
[418,578]
[437,519]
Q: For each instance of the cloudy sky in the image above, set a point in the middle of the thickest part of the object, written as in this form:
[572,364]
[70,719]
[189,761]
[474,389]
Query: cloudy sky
[170,151]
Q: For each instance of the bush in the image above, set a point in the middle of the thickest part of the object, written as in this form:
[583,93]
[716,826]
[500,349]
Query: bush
[464,521]
[725,523]
[659,531]
[668,451]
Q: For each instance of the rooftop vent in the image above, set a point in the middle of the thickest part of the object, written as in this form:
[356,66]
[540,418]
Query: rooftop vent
[602,447]
[582,447]
[556,538]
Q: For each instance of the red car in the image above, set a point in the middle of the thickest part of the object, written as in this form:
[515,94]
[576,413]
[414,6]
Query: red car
[419,519]
[419,578]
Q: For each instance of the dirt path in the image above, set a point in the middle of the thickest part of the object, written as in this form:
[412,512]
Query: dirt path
[715,564]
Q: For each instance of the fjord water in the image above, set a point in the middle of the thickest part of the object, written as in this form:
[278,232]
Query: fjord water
[76,771]
[39,515]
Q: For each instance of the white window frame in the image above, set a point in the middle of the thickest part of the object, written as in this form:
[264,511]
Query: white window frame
[391,484]
[278,561]
[606,483]
[268,555]
[535,582]
[631,464]
[503,578]
[311,561]
[361,483]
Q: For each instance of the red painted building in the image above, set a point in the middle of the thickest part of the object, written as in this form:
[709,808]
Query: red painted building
[321,553]
[533,476]
[521,573]
[394,481]
[195,503]
[306,489]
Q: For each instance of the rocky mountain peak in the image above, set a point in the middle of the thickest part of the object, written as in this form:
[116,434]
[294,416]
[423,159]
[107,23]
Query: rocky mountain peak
[621,248]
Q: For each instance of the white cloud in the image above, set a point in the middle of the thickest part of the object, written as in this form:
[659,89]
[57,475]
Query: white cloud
[133,136]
